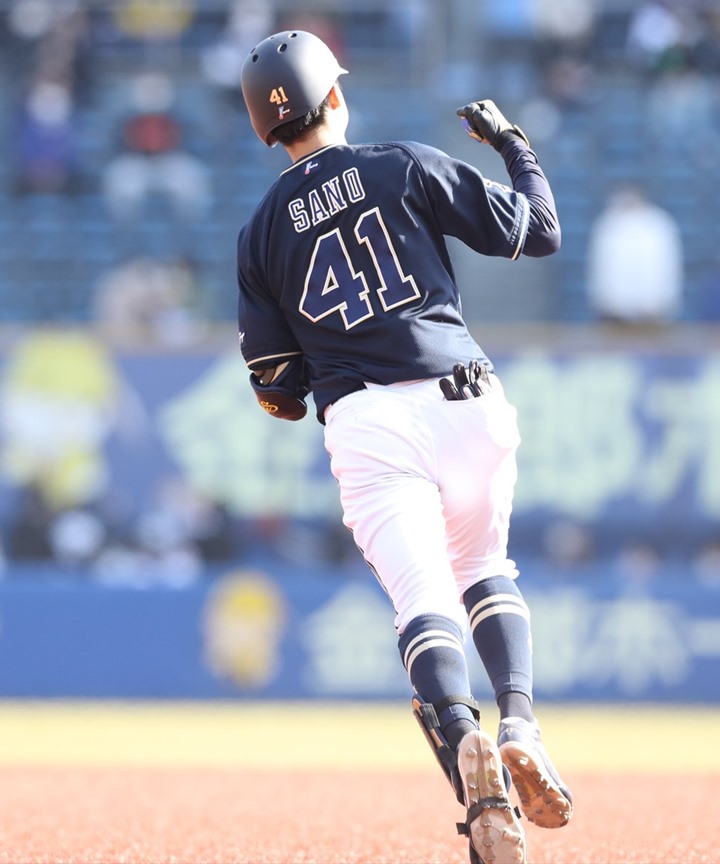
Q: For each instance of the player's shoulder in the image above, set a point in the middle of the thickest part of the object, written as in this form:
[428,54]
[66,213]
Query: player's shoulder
[412,149]
[428,160]
[417,148]
[411,158]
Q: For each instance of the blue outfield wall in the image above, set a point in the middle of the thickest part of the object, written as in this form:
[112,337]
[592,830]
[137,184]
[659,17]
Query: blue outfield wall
[619,485]
[607,436]
[268,629]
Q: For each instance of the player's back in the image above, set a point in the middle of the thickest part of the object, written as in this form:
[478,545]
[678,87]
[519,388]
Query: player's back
[350,243]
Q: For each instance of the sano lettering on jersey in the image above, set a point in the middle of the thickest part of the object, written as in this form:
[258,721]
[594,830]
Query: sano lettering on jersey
[322,202]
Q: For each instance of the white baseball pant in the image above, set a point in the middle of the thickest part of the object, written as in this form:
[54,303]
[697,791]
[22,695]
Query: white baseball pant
[426,487]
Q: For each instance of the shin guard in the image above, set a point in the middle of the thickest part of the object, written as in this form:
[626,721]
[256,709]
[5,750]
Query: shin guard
[426,714]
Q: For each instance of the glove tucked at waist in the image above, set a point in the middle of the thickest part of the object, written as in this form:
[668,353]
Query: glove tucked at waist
[467,383]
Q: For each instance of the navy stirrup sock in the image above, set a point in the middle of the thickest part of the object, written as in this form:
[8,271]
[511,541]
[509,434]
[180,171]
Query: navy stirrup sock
[500,625]
[432,652]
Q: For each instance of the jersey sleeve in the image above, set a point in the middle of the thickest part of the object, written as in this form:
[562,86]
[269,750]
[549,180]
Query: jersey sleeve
[265,337]
[544,235]
[489,217]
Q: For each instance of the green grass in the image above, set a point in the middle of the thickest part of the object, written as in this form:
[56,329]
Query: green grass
[642,738]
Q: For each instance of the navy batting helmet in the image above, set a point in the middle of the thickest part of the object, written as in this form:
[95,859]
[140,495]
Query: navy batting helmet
[284,77]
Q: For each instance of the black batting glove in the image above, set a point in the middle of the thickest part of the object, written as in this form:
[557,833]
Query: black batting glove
[486,123]
[467,383]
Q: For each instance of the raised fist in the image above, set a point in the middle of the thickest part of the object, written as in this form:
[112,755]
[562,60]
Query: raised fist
[486,123]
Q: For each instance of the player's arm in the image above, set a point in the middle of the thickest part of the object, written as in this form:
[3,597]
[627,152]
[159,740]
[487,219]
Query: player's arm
[279,374]
[281,385]
[484,122]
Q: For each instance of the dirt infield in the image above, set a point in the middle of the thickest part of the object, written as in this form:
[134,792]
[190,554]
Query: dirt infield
[291,784]
[189,816]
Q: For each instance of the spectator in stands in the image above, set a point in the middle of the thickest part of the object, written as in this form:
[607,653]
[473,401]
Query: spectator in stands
[177,533]
[28,530]
[30,20]
[707,306]
[77,536]
[248,21]
[54,38]
[565,25]
[706,564]
[706,48]
[635,261]
[152,20]
[153,158]
[319,23]
[44,139]
[149,300]
[657,31]
[178,516]
[679,100]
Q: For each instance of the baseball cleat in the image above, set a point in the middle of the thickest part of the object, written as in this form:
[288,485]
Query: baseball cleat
[492,825]
[544,798]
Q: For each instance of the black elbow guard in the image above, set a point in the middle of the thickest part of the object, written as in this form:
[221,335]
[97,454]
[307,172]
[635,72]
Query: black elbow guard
[283,395]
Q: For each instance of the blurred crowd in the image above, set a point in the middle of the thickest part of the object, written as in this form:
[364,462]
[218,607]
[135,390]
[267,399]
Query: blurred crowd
[155,161]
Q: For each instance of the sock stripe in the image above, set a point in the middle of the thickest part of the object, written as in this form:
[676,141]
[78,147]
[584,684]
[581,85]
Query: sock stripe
[429,634]
[426,646]
[514,607]
[498,598]
[425,641]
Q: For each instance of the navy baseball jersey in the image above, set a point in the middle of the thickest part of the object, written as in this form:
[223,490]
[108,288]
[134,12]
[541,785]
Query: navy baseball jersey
[345,262]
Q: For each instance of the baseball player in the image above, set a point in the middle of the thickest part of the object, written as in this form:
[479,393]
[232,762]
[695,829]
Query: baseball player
[346,290]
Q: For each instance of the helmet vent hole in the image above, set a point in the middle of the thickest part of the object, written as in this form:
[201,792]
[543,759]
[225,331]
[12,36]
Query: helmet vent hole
[282,48]
[255,58]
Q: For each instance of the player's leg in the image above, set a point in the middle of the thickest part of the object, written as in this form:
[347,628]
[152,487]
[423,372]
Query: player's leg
[478,517]
[431,648]
[432,651]
[382,458]
[382,455]
[500,626]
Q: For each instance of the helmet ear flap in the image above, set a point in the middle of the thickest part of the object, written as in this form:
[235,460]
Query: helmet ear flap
[284,77]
